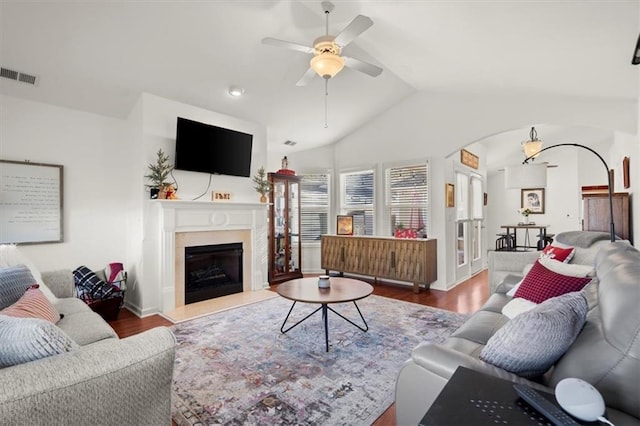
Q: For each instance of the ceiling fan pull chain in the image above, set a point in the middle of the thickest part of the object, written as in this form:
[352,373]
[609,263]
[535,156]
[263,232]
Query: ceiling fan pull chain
[326,101]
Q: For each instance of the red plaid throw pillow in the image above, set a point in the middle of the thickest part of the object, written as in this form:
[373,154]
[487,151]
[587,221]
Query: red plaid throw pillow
[541,284]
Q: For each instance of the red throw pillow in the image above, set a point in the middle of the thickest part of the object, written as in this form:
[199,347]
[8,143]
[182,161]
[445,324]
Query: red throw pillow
[33,304]
[541,284]
[558,253]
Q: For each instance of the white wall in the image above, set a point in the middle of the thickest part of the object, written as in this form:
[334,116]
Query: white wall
[434,125]
[105,160]
[97,179]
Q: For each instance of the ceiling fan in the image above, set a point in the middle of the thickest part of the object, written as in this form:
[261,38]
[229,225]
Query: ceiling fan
[327,60]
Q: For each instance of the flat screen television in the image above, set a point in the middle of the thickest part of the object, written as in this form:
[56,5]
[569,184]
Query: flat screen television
[205,148]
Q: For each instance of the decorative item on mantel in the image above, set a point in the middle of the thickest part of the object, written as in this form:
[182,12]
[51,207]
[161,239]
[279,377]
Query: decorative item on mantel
[158,174]
[262,184]
[285,167]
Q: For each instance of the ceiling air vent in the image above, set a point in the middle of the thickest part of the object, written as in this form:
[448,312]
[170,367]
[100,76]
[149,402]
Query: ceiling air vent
[18,76]
[290,143]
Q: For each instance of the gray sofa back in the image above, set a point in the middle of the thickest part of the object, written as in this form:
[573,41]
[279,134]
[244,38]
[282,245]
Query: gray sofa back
[607,351]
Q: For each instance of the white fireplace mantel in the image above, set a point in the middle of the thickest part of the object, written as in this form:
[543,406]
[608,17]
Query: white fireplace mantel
[166,218]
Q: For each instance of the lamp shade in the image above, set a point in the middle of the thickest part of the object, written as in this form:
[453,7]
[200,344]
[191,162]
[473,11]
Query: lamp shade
[531,148]
[525,176]
[326,65]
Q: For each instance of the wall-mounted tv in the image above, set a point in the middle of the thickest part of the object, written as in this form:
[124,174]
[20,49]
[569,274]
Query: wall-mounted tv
[205,148]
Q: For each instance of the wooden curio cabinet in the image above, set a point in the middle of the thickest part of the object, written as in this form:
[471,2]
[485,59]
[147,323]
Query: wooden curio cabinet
[284,228]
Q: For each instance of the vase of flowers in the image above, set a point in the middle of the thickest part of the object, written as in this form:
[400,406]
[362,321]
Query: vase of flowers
[262,184]
[525,212]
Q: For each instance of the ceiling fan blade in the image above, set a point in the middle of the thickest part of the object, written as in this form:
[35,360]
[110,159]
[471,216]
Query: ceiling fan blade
[356,27]
[306,78]
[365,67]
[287,44]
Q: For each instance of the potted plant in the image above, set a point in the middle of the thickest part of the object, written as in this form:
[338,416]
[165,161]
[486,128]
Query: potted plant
[158,175]
[262,184]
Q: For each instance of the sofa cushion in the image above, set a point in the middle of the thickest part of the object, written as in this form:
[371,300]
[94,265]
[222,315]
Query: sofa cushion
[33,304]
[532,342]
[560,254]
[14,281]
[86,327]
[28,339]
[541,284]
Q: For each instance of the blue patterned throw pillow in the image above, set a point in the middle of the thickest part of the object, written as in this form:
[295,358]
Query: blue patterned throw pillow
[529,344]
[28,339]
[14,281]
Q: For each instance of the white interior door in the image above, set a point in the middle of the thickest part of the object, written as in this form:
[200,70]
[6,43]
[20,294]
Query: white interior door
[469,225]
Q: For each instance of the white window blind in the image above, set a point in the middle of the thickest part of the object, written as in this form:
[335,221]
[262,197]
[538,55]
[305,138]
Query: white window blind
[408,197]
[314,206]
[357,198]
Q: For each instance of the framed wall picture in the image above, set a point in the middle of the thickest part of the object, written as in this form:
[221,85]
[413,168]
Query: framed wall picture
[469,159]
[345,225]
[625,173]
[532,199]
[450,195]
[30,202]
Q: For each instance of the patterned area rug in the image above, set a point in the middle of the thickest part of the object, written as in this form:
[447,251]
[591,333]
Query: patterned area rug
[236,368]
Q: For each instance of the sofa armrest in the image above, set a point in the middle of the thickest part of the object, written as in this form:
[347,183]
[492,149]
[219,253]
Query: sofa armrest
[126,381]
[60,282]
[422,378]
[503,263]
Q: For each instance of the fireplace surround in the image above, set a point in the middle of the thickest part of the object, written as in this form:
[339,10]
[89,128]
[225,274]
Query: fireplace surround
[173,225]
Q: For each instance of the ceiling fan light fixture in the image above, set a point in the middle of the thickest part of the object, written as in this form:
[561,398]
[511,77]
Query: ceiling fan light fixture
[533,145]
[327,65]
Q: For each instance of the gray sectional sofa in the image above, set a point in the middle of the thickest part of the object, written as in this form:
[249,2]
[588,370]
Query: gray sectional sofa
[606,352]
[107,381]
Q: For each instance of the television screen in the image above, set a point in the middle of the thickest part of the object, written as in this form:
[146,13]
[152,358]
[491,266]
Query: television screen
[205,148]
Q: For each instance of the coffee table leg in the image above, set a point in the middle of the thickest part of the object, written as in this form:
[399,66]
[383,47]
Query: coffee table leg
[282,330]
[326,325]
[366,326]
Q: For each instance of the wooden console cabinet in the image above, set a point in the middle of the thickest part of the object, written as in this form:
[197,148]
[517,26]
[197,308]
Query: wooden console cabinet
[409,260]
[597,218]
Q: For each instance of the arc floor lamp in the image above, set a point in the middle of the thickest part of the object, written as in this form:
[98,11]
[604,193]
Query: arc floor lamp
[611,226]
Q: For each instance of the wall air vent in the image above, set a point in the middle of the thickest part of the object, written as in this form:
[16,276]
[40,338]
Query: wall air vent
[290,143]
[18,76]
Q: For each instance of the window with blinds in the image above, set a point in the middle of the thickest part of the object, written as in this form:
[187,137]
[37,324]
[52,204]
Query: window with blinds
[407,198]
[356,199]
[314,206]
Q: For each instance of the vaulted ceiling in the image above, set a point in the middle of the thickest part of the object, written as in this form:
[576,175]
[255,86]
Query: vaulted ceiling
[99,56]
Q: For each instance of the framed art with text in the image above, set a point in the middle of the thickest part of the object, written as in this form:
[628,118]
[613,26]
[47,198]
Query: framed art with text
[30,202]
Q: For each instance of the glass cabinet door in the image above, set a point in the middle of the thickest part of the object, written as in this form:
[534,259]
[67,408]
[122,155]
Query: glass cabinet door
[294,227]
[279,226]
[284,228]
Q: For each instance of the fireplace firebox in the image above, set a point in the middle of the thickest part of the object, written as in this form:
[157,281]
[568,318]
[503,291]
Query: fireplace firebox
[212,271]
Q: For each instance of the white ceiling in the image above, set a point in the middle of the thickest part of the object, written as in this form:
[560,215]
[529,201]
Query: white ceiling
[100,55]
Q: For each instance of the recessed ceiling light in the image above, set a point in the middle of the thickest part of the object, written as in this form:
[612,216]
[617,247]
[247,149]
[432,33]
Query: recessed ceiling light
[236,91]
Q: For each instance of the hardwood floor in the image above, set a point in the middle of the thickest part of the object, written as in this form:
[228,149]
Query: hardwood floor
[467,297]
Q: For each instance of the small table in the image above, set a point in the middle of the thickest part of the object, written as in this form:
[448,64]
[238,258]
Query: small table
[526,227]
[477,399]
[341,290]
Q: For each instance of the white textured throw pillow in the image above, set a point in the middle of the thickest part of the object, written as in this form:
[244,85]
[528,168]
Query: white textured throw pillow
[569,269]
[533,341]
[28,339]
[517,306]
[10,255]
